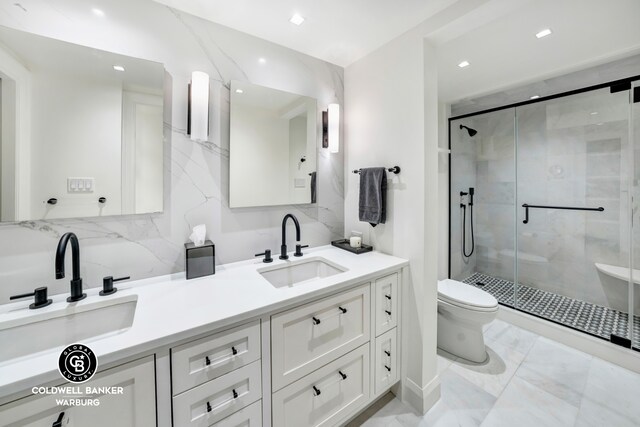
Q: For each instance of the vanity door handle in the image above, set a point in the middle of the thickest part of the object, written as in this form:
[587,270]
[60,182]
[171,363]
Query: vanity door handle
[234,351]
[342,309]
[209,407]
[343,375]
[316,391]
[207,361]
[387,297]
[388,312]
[387,368]
[58,422]
[316,321]
[388,353]
[235,393]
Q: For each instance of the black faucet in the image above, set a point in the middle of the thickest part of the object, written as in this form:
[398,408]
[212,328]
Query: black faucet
[76,280]
[283,247]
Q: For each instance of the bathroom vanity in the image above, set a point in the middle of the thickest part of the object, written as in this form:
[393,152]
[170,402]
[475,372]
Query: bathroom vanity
[308,341]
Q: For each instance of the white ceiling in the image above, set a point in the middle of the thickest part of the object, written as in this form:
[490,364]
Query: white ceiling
[337,31]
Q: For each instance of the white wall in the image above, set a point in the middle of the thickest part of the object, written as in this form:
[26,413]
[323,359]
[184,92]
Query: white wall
[259,157]
[390,104]
[76,132]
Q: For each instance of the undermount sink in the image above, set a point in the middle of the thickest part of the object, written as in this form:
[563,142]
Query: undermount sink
[299,272]
[41,331]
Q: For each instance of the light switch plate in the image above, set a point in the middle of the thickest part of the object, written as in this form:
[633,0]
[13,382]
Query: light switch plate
[80,184]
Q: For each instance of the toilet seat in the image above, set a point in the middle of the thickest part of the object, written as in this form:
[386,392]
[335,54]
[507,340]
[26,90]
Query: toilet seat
[466,296]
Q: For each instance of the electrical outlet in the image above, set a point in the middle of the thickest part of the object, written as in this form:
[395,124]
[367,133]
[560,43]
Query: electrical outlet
[80,185]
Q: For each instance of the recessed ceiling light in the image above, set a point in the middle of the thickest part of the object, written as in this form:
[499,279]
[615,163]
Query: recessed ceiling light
[296,19]
[97,12]
[239,91]
[543,33]
[464,64]
[593,113]
[599,124]
[118,67]
[535,97]
[262,60]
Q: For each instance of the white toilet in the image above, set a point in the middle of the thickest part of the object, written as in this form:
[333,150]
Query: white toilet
[462,312]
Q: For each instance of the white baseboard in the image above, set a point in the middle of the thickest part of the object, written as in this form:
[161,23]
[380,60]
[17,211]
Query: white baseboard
[625,357]
[421,398]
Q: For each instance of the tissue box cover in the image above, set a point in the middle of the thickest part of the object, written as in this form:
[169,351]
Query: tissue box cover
[200,260]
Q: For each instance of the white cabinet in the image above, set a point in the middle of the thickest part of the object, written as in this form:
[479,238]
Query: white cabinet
[251,416]
[305,338]
[326,396]
[386,361]
[218,398]
[199,361]
[386,303]
[135,407]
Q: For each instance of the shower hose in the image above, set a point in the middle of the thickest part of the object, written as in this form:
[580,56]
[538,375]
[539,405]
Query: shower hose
[464,230]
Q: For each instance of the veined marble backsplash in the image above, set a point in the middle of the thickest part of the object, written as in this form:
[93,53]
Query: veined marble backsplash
[196,173]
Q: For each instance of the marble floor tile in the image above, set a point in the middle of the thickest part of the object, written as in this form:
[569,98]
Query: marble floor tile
[611,397]
[493,375]
[525,405]
[445,360]
[510,336]
[557,369]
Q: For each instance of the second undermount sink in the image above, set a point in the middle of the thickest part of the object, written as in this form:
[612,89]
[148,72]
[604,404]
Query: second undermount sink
[299,272]
[35,332]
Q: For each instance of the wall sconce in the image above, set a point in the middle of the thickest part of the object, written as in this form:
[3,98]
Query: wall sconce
[198,108]
[331,128]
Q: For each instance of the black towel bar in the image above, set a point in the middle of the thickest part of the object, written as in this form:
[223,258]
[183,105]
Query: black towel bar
[395,169]
[527,206]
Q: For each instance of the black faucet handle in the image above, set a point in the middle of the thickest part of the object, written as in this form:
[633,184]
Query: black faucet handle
[267,256]
[40,295]
[299,250]
[107,285]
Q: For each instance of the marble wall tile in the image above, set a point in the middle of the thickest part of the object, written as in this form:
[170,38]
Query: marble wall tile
[196,173]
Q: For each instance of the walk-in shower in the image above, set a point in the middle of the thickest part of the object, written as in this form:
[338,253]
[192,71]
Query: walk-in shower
[543,207]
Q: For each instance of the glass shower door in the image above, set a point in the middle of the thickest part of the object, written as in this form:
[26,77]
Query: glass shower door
[634,293]
[573,212]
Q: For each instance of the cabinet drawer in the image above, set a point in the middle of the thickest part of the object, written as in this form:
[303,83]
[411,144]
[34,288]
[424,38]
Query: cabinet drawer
[386,362]
[386,303]
[197,362]
[328,395]
[212,401]
[308,337]
[251,416]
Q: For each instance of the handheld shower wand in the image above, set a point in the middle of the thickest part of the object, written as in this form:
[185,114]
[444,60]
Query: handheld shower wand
[464,222]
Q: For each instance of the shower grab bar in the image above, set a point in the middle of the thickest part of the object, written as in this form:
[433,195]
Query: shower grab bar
[570,208]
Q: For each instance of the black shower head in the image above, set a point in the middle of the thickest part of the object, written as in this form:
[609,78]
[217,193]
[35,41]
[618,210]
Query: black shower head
[472,132]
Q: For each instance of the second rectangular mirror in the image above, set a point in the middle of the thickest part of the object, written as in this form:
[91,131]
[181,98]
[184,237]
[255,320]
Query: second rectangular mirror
[273,147]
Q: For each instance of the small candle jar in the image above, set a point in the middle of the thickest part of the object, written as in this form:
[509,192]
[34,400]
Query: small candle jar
[355,241]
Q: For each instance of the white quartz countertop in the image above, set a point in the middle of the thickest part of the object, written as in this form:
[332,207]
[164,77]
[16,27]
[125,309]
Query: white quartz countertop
[171,308]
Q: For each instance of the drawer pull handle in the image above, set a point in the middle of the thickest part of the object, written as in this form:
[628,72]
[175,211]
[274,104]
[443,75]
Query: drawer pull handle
[316,321]
[343,375]
[316,391]
[207,361]
[342,309]
[235,394]
[234,351]
[388,353]
[387,368]
[388,297]
[58,422]
[388,312]
[208,407]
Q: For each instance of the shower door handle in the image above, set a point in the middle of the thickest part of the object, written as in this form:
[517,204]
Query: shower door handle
[570,208]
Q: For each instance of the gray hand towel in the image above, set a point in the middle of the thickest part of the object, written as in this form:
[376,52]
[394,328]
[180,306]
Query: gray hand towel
[373,196]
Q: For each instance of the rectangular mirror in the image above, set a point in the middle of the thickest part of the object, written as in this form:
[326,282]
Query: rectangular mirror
[81,130]
[273,147]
